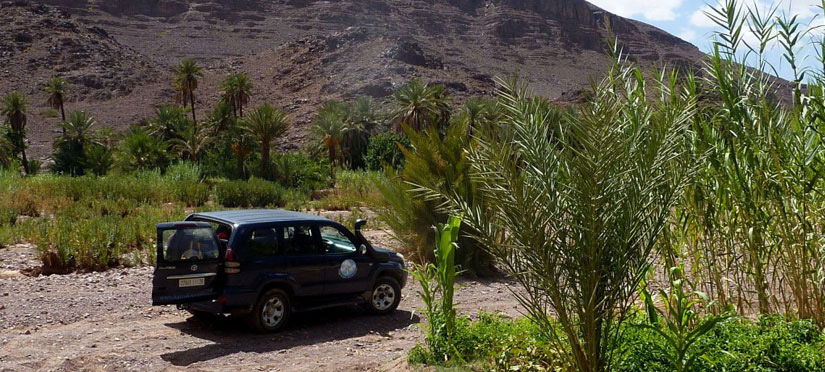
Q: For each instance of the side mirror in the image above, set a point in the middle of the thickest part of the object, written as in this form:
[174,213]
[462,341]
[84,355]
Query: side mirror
[359,224]
[363,249]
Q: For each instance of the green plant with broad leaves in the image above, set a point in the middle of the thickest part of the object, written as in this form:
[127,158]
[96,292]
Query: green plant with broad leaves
[681,323]
[437,281]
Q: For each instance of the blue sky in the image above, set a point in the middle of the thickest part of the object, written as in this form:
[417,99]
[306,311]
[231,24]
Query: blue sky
[686,19]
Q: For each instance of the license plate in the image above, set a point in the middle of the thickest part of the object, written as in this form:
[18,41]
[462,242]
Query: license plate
[194,282]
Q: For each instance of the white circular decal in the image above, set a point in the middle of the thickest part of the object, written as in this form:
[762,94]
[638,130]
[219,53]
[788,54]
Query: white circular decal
[348,269]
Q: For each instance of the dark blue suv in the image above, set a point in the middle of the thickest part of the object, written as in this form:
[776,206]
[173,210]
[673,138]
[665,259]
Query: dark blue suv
[266,264]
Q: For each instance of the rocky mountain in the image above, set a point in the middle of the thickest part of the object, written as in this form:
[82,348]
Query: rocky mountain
[119,53]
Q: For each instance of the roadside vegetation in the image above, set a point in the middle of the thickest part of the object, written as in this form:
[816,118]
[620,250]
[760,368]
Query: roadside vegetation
[671,222]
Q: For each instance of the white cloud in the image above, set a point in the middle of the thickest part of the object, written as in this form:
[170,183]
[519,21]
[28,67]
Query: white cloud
[805,9]
[687,35]
[652,10]
[700,18]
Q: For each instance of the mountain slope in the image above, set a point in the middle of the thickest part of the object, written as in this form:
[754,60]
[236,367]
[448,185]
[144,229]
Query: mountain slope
[301,53]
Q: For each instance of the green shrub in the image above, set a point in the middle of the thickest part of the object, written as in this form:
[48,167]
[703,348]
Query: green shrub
[735,345]
[296,170]
[385,150]
[8,216]
[35,166]
[184,172]
[255,193]
[193,194]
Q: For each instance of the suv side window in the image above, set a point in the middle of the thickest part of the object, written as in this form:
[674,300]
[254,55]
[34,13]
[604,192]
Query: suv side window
[263,242]
[335,241]
[300,240]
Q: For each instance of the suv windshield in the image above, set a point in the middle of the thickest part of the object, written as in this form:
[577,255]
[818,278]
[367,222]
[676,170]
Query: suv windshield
[189,244]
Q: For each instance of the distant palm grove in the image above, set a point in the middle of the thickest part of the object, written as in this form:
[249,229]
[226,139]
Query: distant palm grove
[674,220]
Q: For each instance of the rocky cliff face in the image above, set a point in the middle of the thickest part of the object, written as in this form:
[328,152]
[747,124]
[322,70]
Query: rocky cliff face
[301,53]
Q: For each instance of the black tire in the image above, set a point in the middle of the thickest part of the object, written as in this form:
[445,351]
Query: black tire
[385,296]
[265,322]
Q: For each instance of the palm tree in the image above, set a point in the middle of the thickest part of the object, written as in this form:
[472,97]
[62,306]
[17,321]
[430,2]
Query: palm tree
[70,155]
[14,110]
[222,117]
[330,126]
[186,82]
[57,88]
[362,124]
[170,122]
[193,142]
[265,124]
[419,106]
[241,147]
[78,129]
[236,89]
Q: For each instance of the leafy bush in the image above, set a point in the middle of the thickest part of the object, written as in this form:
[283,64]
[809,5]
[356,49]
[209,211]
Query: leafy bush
[99,234]
[296,170]
[735,345]
[139,149]
[99,159]
[8,216]
[193,194]
[255,192]
[385,150]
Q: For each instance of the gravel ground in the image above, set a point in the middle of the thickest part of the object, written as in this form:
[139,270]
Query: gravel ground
[105,322]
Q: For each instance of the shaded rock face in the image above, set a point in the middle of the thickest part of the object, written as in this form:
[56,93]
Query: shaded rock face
[119,55]
[158,8]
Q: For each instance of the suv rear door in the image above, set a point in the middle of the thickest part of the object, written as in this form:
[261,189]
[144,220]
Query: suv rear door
[188,262]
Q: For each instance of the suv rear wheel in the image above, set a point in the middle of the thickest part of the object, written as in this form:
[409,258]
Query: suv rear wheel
[271,312]
[385,296]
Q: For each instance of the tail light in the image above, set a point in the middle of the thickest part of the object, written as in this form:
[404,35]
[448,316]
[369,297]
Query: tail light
[230,266]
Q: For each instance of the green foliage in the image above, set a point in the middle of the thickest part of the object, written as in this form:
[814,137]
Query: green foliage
[735,345]
[680,324]
[235,91]
[57,88]
[420,106]
[187,74]
[437,281]
[98,159]
[384,150]
[296,170]
[265,124]
[252,193]
[573,211]
[440,163]
[771,344]
[72,147]
[344,130]
[13,112]
[139,150]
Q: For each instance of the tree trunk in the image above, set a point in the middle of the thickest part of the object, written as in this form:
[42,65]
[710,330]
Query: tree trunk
[240,159]
[265,157]
[62,116]
[25,162]
[192,103]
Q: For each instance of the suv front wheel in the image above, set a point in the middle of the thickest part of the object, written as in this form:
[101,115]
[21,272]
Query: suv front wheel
[385,296]
[271,312]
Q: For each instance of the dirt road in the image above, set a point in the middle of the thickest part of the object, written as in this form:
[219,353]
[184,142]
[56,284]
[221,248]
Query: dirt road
[104,322]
